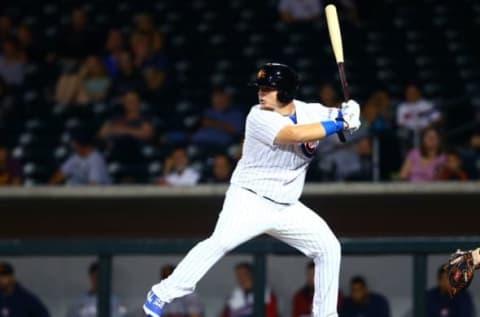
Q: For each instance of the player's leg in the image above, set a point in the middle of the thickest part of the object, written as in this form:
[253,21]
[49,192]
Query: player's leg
[244,216]
[303,229]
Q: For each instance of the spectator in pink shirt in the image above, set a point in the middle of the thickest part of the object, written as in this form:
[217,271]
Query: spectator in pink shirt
[425,162]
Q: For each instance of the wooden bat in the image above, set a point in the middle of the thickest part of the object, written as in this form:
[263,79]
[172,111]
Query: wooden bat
[336,41]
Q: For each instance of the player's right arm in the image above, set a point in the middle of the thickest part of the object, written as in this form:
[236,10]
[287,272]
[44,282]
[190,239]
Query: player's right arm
[346,119]
[301,133]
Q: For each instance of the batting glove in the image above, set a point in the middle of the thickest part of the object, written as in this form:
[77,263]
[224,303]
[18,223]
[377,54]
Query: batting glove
[351,115]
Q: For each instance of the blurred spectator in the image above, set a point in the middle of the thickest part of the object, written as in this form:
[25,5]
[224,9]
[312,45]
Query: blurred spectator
[95,82]
[474,154]
[114,47]
[12,65]
[79,40]
[379,119]
[128,78]
[221,170]
[90,84]
[125,134]
[15,300]
[221,124]
[156,92]
[292,11]
[303,298]
[328,96]
[6,27]
[186,306]
[176,170]
[439,303]
[363,302]
[415,114]
[145,25]
[33,52]
[86,304]
[10,169]
[240,302]
[424,163]
[452,169]
[86,166]
[147,47]
[7,102]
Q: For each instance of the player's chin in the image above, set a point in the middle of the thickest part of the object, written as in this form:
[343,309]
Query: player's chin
[265,106]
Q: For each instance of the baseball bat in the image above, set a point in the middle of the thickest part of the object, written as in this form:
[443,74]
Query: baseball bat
[336,41]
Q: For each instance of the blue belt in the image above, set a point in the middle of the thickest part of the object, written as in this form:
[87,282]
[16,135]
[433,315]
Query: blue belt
[267,198]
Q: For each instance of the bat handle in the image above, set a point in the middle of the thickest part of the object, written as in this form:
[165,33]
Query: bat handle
[346,94]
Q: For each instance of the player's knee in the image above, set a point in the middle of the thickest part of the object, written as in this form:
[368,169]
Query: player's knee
[336,247]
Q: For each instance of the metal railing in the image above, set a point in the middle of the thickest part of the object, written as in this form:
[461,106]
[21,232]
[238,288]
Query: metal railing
[418,247]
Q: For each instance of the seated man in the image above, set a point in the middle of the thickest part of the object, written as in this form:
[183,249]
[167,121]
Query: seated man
[439,303]
[187,306]
[86,166]
[221,124]
[362,302]
[176,170]
[16,301]
[221,170]
[86,304]
[240,302]
[125,134]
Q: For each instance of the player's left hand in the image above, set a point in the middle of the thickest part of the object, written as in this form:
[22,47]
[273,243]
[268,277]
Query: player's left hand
[351,115]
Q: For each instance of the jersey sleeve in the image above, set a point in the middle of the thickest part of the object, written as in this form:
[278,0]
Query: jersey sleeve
[264,125]
[322,112]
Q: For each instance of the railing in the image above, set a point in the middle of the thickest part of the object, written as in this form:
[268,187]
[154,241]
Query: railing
[418,247]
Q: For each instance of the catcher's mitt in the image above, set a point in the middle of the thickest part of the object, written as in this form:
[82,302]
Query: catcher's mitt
[460,269]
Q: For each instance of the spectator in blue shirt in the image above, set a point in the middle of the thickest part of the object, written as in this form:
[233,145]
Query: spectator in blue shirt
[221,124]
[362,302]
[440,304]
[16,301]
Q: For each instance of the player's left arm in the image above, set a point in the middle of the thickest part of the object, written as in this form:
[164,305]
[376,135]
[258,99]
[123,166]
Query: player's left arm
[347,118]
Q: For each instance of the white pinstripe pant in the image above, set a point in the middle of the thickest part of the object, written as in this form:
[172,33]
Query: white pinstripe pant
[246,215]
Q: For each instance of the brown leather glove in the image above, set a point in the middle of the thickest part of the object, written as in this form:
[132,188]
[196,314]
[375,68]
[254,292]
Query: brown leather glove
[460,270]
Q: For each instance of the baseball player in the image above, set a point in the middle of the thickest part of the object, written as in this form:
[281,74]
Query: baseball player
[281,136]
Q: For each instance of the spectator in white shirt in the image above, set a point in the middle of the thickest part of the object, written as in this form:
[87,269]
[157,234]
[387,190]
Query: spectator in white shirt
[86,166]
[177,172]
[292,11]
[416,113]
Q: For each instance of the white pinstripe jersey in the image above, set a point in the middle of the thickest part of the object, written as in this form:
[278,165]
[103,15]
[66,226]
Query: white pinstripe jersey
[277,171]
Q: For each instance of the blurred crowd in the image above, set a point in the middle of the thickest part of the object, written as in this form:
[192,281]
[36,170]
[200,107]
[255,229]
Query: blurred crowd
[17,301]
[130,72]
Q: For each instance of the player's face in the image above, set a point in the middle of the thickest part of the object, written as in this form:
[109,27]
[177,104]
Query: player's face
[267,98]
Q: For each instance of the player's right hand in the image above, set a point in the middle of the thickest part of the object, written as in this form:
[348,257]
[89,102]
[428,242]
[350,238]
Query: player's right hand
[351,115]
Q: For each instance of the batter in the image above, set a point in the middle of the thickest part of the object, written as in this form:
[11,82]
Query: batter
[281,136]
